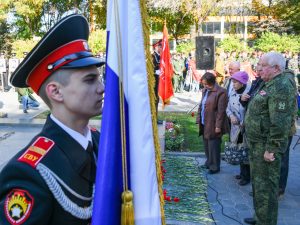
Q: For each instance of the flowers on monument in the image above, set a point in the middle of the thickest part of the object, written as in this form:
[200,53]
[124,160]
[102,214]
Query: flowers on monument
[187,188]
[176,199]
[167,198]
[173,137]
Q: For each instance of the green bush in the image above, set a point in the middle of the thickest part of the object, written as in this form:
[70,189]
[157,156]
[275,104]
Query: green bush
[97,41]
[233,43]
[271,41]
[185,47]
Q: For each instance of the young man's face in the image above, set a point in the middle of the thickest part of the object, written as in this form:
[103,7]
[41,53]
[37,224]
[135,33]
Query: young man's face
[83,95]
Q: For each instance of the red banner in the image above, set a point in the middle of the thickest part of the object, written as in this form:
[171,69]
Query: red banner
[165,88]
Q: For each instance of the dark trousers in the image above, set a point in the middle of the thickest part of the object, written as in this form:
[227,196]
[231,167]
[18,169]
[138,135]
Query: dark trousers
[284,168]
[5,81]
[212,149]
[245,171]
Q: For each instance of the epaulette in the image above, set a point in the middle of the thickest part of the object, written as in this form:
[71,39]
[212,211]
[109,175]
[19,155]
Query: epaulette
[37,151]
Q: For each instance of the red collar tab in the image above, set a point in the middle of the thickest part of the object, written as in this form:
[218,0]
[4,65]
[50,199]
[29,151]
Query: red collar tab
[56,59]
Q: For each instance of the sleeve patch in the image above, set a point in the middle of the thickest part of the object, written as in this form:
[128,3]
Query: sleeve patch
[18,206]
[281,105]
[34,154]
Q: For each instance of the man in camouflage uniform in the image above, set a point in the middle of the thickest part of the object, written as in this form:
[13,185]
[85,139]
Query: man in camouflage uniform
[178,69]
[267,123]
[293,65]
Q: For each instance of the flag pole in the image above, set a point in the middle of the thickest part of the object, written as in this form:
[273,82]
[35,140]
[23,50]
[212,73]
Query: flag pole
[127,210]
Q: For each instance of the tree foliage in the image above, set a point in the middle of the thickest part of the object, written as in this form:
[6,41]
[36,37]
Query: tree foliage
[5,37]
[180,15]
[21,46]
[272,41]
[28,15]
[286,12]
[99,12]
[97,41]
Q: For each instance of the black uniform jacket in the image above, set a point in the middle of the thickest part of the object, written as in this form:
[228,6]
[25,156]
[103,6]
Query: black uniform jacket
[25,198]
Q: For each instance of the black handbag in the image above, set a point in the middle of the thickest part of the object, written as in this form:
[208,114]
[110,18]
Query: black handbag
[236,153]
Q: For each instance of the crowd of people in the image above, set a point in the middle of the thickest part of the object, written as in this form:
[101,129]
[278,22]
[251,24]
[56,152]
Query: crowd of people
[187,77]
[260,113]
[51,180]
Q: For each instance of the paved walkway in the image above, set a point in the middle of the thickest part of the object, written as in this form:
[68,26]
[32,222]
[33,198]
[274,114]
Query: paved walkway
[10,105]
[229,202]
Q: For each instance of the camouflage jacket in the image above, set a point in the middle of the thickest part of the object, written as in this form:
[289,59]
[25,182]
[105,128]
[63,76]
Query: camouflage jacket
[270,113]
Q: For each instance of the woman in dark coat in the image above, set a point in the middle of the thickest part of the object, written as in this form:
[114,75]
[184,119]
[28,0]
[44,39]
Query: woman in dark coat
[212,120]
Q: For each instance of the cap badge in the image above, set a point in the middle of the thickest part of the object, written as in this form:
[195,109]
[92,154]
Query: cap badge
[50,67]
[85,45]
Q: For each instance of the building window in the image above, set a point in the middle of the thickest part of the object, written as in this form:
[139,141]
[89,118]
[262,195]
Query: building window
[211,28]
[234,28]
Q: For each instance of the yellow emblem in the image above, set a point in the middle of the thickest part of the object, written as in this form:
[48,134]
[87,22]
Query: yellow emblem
[18,206]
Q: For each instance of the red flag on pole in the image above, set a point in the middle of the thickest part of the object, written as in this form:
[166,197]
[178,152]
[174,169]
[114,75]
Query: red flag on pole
[165,88]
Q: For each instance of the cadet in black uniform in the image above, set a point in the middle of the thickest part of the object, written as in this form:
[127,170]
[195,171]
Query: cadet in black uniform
[156,63]
[51,180]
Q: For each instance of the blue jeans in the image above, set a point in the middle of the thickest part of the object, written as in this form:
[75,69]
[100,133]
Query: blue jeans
[28,102]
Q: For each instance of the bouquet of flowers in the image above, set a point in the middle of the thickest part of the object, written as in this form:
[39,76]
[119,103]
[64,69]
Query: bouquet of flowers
[173,137]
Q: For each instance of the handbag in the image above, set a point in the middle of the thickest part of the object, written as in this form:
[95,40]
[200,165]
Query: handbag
[236,153]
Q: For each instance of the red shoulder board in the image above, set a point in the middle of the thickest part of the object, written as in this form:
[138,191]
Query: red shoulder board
[18,206]
[93,128]
[34,154]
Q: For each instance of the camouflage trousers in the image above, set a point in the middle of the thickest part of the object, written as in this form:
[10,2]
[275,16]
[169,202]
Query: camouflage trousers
[265,184]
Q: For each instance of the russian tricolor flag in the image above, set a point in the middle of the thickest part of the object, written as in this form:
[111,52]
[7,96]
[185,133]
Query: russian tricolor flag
[126,55]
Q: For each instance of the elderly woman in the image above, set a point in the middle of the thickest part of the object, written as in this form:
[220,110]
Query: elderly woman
[211,118]
[236,112]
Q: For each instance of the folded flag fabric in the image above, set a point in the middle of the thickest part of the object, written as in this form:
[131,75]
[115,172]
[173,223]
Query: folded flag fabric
[165,88]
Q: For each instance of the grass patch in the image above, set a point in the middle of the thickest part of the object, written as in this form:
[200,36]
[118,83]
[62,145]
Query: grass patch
[190,130]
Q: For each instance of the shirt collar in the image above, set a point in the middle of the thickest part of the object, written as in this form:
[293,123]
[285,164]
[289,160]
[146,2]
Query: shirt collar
[83,140]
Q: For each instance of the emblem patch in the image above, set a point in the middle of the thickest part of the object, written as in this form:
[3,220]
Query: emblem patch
[281,105]
[262,93]
[34,154]
[18,206]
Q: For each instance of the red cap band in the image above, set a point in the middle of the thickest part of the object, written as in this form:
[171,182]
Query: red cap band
[41,72]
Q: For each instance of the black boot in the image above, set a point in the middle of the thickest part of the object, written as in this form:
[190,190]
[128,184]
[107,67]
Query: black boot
[250,220]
